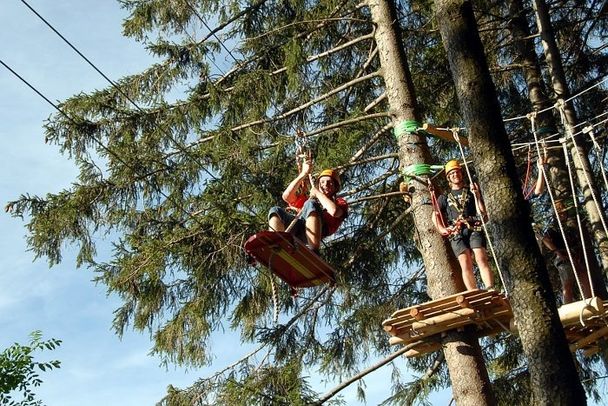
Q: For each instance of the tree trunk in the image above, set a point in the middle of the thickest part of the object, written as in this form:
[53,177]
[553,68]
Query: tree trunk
[578,151]
[554,380]
[469,377]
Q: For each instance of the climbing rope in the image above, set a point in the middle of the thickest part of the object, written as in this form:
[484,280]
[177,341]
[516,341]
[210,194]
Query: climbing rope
[525,190]
[483,221]
[599,150]
[580,229]
[435,204]
[532,118]
[561,108]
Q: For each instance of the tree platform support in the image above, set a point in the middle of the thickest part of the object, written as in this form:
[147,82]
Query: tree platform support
[585,324]
[444,134]
[487,310]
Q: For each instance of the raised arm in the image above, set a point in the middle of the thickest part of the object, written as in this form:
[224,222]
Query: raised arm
[289,194]
[539,188]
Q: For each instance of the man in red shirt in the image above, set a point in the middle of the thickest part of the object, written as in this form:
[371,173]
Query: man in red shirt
[320,214]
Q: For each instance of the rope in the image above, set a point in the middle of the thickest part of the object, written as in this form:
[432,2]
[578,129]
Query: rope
[599,151]
[275,300]
[532,117]
[596,201]
[435,204]
[551,107]
[483,222]
[527,177]
[273,288]
[580,229]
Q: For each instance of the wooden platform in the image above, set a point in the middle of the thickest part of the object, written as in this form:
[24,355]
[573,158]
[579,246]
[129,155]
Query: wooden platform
[593,313]
[585,322]
[488,311]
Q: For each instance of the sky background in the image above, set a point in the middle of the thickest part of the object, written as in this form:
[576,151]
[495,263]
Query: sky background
[97,367]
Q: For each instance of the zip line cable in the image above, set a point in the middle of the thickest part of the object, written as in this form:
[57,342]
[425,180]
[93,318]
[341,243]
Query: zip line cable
[69,44]
[210,30]
[97,141]
[177,144]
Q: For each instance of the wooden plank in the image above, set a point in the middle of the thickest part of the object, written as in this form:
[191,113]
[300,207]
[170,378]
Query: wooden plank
[496,320]
[444,134]
[489,301]
[449,302]
[589,339]
[289,259]
[571,313]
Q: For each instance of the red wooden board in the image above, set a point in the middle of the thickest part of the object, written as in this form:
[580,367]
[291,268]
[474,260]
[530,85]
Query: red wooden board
[289,259]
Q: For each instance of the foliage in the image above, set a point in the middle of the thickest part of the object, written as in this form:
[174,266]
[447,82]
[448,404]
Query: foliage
[19,372]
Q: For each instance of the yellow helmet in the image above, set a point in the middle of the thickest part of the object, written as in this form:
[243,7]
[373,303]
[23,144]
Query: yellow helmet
[451,165]
[332,174]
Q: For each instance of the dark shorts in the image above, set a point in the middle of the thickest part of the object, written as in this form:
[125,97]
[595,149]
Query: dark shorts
[566,275]
[299,229]
[467,239]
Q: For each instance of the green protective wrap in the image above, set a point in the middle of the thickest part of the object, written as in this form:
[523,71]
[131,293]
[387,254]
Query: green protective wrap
[406,127]
[420,170]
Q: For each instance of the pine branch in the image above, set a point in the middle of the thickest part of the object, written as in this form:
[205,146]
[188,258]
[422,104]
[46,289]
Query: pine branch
[333,392]
[367,185]
[243,12]
[393,155]
[372,141]
[307,104]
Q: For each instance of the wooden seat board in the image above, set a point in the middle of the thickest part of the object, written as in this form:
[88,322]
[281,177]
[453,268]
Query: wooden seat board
[289,259]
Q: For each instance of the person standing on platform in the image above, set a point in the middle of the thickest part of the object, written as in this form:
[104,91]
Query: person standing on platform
[463,207]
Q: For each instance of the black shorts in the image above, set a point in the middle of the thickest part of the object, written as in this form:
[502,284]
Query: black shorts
[467,239]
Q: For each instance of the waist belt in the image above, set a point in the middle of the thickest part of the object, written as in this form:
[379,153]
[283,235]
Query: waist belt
[472,223]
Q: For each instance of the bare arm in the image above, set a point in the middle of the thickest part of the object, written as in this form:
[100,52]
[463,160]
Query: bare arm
[539,188]
[289,194]
[328,204]
[437,223]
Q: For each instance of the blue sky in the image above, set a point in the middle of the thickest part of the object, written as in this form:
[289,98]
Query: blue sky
[97,367]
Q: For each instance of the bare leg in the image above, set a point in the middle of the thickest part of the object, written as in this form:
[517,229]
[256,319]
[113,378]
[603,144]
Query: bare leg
[466,266]
[568,292]
[487,276]
[313,230]
[275,223]
[583,279]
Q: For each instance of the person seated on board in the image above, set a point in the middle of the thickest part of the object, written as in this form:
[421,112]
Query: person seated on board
[320,213]
[463,207]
